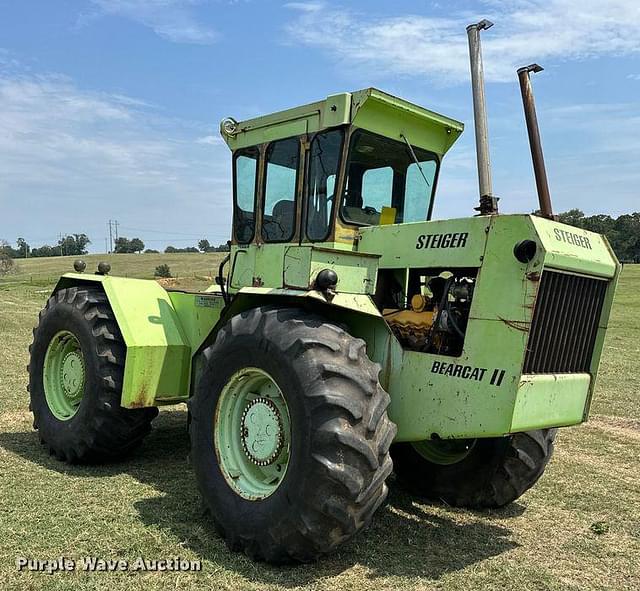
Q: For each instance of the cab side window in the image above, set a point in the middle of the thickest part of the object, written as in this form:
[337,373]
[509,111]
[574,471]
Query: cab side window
[282,163]
[323,169]
[245,172]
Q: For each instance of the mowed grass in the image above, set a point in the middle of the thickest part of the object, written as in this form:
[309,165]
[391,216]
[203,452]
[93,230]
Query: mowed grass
[578,528]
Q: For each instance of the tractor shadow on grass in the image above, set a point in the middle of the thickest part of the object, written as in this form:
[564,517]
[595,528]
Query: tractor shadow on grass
[408,537]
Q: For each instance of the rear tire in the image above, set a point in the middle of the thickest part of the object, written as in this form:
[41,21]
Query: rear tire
[495,472]
[87,424]
[336,457]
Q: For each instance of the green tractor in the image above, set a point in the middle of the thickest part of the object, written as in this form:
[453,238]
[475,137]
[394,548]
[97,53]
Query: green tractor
[348,335]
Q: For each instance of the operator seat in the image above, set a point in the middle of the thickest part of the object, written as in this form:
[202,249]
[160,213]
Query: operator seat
[282,220]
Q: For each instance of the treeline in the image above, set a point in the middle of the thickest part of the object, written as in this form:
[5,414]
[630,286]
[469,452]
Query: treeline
[76,244]
[72,244]
[203,246]
[622,232]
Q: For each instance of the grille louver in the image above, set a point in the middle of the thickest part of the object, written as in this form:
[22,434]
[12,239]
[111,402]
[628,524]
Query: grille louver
[565,323]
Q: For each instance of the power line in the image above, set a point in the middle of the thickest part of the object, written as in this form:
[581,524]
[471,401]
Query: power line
[167,232]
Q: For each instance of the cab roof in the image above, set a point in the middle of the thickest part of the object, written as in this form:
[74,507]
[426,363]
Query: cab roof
[369,109]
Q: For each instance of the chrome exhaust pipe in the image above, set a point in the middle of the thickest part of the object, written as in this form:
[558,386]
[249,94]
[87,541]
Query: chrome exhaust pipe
[539,170]
[488,202]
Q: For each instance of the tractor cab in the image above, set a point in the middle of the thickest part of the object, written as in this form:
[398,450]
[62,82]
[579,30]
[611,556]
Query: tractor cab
[319,172]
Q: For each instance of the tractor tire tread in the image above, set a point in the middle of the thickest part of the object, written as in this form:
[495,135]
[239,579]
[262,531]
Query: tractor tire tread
[111,431]
[351,435]
[509,467]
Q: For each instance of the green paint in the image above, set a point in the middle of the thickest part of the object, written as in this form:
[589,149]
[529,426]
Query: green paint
[296,267]
[64,375]
[369,109]
[197,314]
[158,351]
[252,433]
[550,401]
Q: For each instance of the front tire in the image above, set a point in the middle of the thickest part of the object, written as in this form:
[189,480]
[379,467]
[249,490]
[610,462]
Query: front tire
[75,380]
[489,473]
[311,385]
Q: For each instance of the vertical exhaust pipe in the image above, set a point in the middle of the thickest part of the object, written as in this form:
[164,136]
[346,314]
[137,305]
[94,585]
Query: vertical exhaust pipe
[488,203]
[535,144]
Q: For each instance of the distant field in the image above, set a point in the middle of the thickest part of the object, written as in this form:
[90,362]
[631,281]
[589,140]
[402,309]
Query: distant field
[192,268]
[578,528]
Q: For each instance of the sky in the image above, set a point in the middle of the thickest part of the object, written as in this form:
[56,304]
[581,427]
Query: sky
[109,109]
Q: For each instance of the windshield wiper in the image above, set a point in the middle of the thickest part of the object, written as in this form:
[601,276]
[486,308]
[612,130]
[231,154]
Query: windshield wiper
[415,159]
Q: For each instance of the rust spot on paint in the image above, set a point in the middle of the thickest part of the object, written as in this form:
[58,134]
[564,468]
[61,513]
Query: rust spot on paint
[140,399]
[136,404]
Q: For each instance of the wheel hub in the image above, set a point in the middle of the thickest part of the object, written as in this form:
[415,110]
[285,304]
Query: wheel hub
[64,375]
[261,431]
[252,433]
[72,374]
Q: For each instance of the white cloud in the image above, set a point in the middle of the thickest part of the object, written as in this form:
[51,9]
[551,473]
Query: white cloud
[525,31]
[211,140]
[71,159]
[172,20]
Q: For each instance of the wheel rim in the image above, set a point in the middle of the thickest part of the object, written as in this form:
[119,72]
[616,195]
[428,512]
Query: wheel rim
[444,451]
[64,375]
[252,434]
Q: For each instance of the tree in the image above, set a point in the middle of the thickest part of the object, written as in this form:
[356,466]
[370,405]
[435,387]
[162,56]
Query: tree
[126,246]
[123,245]
[151,251]
[73,244]
[173,249]
[45,251]
[573,217]
[5,248]
[204,245]
[23,248]
[136,245]
[6,263]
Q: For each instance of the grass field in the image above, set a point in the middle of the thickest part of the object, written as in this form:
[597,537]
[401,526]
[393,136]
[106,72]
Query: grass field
[578,528]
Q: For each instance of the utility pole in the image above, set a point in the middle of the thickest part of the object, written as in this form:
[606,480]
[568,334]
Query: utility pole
[115,223]
[110,238]
[106,248]
[61,250]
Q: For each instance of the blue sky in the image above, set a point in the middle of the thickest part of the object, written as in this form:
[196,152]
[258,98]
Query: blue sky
[110,108]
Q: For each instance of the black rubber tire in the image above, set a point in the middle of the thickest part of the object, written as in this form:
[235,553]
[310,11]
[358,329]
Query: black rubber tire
[340,435]
[496,472]
[101,429]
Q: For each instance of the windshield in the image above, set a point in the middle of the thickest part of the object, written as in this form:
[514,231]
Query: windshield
[388,181]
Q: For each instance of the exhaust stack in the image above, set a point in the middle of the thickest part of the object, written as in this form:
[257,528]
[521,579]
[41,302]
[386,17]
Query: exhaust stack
[488,203]
[535,144]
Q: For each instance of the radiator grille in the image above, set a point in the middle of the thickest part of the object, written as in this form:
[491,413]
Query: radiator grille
[565,322]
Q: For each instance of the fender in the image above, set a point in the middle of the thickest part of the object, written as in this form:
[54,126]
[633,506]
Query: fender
[342,307]
[158,359]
